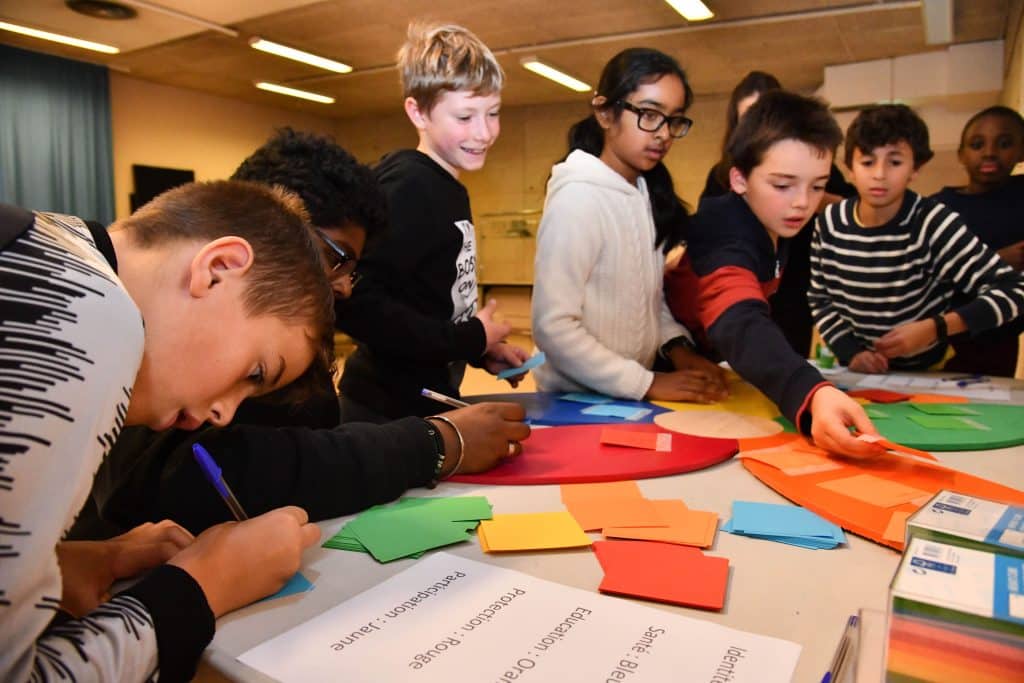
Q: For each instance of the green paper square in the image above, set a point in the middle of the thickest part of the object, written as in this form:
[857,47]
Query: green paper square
[944,422]
[943,409]
[403,533]
[875,413]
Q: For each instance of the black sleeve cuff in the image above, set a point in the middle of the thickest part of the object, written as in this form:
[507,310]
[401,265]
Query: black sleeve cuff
[182,619]
[471,341]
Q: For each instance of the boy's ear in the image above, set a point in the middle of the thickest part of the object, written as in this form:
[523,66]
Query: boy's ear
[415,114]
[737,181]
[217,261]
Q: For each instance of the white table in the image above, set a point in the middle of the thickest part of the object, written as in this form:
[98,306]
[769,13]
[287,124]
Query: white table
[800,595]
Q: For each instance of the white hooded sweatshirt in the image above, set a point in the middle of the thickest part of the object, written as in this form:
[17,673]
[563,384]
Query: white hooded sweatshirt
[598,308]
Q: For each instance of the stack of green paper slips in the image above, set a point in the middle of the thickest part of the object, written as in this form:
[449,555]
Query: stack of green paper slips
[411,526]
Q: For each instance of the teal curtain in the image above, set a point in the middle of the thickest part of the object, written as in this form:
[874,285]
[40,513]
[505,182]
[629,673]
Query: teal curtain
[55,135]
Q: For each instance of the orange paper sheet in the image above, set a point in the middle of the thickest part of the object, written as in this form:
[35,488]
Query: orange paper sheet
[651,441]
[597,514]
[896,531]
[685,526]
[531,531]
[572,493]
[938,398]
[663,572]
[793,460]
[874,490]
[859,516]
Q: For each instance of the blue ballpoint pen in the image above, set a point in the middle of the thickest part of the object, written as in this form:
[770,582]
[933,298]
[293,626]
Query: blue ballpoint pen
[213,475]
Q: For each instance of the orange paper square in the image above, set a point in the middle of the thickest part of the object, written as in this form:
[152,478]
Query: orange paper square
[572,493]
[685,526]
[601,513]
[874,490]
[897,528]
[651,441]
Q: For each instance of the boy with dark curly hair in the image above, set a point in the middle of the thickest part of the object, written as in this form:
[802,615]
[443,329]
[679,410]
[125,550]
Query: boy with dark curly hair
[886,265]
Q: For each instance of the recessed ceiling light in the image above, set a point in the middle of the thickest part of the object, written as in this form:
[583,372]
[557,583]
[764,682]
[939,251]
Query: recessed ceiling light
[551,73]
[58,38]
[101,9]
[298,55]
[295,92]
[692,10]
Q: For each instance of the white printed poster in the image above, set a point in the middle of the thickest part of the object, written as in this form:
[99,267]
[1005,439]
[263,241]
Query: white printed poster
[452,619]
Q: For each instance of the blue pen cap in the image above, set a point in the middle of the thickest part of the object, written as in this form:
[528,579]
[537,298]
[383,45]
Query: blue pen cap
[210,469]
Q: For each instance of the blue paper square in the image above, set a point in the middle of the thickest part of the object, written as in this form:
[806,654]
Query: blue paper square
[528,364]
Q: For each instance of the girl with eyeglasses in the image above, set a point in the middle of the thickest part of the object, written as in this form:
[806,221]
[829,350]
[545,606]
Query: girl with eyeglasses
[610,215]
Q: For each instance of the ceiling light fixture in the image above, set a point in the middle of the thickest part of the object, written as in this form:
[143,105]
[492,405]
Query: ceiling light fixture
[298,55]
[938,21]
[101,9]
[692,10]
[58,38]
[541,69]
[294,92]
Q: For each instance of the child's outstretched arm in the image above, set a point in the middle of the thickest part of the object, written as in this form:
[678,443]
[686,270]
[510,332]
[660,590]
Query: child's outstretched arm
[833,413]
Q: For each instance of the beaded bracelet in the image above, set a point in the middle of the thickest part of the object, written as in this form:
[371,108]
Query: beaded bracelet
[462,445]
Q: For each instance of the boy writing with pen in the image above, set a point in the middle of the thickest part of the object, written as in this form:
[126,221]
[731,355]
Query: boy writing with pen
[276,455]
[99,330]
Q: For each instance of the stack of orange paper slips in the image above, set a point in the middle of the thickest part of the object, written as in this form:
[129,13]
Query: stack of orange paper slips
[658,563]
[621,511]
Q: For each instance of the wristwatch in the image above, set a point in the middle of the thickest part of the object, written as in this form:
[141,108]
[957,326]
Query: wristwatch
[941,330]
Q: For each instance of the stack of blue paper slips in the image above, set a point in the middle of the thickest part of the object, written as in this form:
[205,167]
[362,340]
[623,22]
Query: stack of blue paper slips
[783,523]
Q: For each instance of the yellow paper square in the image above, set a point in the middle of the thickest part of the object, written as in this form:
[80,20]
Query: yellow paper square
[532,531]
[874,490]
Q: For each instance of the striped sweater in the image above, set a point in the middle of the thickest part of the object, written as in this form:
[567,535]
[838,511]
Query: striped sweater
[71,340]
[924,262]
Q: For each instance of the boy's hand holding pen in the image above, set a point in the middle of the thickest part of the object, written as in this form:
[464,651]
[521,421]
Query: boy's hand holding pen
[237,563]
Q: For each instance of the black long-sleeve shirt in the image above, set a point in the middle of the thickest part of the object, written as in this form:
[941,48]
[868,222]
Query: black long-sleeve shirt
[413,310]
[150,476]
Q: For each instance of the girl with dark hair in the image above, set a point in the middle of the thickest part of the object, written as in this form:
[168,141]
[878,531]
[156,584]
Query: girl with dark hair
[746,92]
[610,215]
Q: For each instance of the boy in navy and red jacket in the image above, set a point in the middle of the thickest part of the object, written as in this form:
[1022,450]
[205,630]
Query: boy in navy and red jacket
[782,153]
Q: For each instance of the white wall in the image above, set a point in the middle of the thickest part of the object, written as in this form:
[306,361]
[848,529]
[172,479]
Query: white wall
[159,125]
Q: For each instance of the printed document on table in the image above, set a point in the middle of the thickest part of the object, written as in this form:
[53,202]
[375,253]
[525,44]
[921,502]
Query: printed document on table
[911,384]
[448,618]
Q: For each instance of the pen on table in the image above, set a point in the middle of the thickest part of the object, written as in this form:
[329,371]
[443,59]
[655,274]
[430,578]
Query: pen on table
[441,398]
[964,378]
[842,649]
[214,476]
